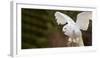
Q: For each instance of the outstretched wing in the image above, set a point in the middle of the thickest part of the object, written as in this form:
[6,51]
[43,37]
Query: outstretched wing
[83,20]
[63,19]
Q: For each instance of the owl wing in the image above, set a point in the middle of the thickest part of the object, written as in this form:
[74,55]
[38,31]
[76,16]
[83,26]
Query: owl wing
[83,20]
[63,19]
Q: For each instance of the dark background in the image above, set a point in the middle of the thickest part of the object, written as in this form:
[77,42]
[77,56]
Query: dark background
[40,30]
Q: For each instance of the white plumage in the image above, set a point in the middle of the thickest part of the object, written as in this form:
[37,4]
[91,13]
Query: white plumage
[72,29]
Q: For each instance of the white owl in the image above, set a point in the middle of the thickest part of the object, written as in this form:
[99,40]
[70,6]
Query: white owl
[72,29]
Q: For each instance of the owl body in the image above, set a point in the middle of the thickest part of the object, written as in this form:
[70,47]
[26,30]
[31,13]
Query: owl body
[73,29]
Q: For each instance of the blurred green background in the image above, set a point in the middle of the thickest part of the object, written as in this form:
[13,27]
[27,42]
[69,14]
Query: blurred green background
[40,30]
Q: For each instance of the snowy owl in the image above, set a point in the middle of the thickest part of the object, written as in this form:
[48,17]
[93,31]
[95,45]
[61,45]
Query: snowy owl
[73,29]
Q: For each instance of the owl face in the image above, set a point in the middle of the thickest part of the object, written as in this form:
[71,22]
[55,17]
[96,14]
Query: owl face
[71,30]
[67,30]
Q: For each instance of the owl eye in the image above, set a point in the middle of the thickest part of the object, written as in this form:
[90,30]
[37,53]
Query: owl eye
[65,28]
